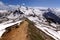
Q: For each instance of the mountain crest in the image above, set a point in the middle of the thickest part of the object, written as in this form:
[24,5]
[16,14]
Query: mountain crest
[25,31]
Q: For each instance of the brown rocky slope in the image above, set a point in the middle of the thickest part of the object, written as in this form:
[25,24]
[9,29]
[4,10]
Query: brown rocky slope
[25,31]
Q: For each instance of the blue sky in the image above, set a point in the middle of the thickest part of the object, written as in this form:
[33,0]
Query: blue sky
[38,3]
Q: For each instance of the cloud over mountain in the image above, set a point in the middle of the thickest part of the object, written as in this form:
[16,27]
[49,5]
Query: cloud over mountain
[4,6]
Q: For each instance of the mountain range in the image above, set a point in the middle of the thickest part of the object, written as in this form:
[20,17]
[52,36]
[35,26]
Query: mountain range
[45,19]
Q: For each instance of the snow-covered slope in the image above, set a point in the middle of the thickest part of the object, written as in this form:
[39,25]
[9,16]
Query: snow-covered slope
[33,14]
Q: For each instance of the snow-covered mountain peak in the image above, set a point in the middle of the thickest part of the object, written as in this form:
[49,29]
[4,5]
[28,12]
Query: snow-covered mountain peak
[36,15]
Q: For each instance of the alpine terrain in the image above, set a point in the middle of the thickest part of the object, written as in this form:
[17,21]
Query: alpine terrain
[30,23]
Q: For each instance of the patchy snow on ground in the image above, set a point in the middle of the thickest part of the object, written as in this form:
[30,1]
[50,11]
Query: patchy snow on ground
[34,14]
[3,26]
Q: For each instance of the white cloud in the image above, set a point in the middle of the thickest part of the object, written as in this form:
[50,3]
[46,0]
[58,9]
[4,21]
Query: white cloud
[1,3]
[8,7]
[3,6]
[23,3]
[14,6]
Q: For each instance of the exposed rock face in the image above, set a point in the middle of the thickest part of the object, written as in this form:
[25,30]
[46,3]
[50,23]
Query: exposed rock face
[52,17]
[25,31]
